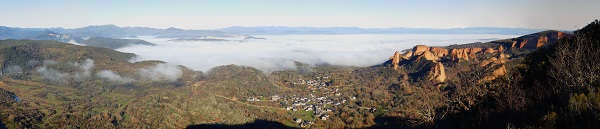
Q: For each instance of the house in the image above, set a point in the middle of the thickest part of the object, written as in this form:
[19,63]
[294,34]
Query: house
[297,120]
[372,110]
[324,117]
[275,97]
[308,108]
[329,109]
[305,123]
[253,99]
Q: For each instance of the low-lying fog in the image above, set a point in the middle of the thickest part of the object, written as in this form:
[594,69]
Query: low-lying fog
[278,52]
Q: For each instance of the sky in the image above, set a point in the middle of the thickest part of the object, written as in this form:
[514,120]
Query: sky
[215,14]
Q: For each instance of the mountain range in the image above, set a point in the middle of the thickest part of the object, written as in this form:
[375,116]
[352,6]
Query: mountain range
[113,31]
[282,30]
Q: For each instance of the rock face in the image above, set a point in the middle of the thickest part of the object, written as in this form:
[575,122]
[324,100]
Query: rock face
[491,56]
[439,52]
[489,50]
[395,59]
[425,52]
[428,56]
[438,73]
[464,53]
[419,49]
[536,40]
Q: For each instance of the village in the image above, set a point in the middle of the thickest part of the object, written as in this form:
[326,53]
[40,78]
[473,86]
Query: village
[320,101]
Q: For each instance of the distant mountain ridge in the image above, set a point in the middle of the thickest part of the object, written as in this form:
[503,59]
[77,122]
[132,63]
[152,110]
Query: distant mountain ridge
[113,31]
[282,30]
[108,31]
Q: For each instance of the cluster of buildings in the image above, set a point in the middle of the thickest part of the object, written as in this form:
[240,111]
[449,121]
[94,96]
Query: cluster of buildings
[321,100]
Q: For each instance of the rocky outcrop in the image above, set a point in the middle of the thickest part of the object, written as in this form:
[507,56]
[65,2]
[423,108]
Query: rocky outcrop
[438,51]
[395,59]
[473,51]
[541,41]
[489,50]
[464,53]
[425,52]
[536,40]
[501,71]
[428,56]
[438,73]
[419,49]
[407,55]
[492,50]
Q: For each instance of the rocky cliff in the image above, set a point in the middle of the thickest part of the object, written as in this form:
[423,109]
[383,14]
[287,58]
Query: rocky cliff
[438,73]
[535,40]
[492,55]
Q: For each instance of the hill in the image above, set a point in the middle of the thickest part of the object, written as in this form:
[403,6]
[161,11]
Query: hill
[114,43]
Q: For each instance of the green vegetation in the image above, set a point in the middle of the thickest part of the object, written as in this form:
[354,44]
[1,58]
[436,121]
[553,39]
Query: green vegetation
[58,86]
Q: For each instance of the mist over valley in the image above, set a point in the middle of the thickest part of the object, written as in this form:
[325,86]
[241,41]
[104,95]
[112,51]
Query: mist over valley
[279,52]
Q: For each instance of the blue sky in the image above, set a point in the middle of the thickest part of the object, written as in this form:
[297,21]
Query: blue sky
[201,14]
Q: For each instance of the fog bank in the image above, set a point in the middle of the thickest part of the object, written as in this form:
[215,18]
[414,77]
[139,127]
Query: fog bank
[278,52]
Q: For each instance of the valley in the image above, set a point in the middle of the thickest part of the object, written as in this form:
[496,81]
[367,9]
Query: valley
[51,84]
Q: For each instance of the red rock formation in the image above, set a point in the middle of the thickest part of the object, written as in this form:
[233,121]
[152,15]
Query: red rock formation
[439,52]
[501,49]
[438,73]
[475,51]
[496,73]
[464,53]
[541,41]
[428,56]
[522,44]
[459,53]
[419,49]
[407,55]
[489,50]
[395,59]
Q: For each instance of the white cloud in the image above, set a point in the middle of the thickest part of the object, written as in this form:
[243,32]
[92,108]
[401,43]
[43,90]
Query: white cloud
[164,71]
[85,68]
[13,69]
[52,74]
[112,76]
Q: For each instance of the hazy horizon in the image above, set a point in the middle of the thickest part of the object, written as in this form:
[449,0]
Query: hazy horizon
[532,14]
